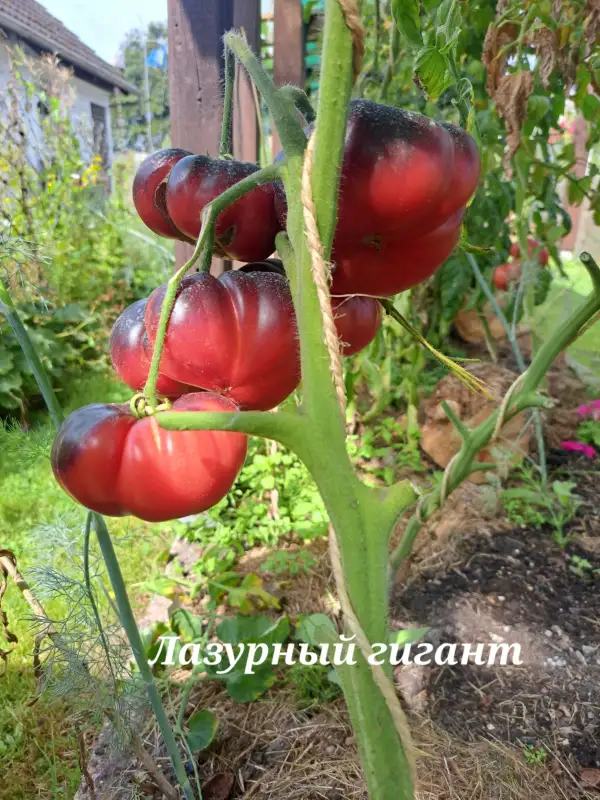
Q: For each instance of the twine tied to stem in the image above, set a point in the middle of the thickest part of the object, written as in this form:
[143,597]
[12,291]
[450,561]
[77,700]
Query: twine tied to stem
[357,32]
[321,273]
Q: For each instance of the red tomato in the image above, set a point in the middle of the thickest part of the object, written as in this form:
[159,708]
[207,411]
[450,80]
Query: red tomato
[131,353]
[384,266]
[357,320]
[115,464]
[246,230]
[404,186]
[506,274]
[235,334]
[532,245]
[149,189]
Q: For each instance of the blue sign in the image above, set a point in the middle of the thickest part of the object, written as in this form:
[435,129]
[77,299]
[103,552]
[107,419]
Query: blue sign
[157,57]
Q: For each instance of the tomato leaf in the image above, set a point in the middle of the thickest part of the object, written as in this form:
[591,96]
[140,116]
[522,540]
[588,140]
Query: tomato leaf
[202,727]
[407,17]
[432,68]
[537,107]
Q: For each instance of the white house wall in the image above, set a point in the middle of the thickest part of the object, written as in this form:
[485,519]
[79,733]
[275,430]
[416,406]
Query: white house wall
[80,114]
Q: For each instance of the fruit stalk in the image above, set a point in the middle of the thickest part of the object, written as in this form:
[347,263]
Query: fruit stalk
[203,252]
[226,145]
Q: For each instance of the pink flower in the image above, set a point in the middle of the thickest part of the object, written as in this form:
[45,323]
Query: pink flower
[590,409]
[579,447]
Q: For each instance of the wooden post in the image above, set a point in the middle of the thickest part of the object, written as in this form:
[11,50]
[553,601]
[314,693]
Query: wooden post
[246,17]
[195,80]
[288,48]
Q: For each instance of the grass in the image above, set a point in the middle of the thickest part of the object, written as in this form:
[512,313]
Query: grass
[38,749]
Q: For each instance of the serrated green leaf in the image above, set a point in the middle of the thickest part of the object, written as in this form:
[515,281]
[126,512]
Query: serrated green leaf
[590,108]
[202,728]
[187,626]
[240,629]
[407,17]
[432,68]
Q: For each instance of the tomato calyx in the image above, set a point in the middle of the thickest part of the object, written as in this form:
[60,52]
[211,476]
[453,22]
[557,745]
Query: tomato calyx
[140,406]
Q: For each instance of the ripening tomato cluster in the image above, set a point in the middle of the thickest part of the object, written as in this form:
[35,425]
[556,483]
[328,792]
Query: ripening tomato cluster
[232,342]
[507,274]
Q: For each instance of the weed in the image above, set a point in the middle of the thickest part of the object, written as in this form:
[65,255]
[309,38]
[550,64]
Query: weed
[290,504]
[534,755]
[289,562]
[312,685]
[534,505]
[582,568]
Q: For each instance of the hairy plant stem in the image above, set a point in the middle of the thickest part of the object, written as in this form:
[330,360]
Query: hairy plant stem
[473,441]
[282,108]
[124,609]
[512,338]
[361,516]
[300,99]
[9,310]
[226,144]
[203,251]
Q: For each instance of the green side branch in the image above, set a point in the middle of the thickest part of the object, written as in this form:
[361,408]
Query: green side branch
[226,144]
[203,252]
[526,397]
[511,333]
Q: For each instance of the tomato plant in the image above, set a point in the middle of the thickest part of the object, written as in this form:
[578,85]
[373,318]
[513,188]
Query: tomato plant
[131,351]
[116,464]
[245,230]
[235,334]
[381,193]
[534,249]
[149,191]
[505,274]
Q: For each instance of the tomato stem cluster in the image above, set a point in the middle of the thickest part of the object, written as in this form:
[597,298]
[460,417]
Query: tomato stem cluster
[226,144]
[203,252]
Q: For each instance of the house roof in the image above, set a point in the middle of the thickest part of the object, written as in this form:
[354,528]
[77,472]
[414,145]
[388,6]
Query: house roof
[30,21]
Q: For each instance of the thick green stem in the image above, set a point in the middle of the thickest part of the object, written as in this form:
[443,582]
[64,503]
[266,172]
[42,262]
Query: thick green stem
[361,517]
[203,250]
[226,145]
[300,99]
[284,427]
[8,309]
[525,398]
[135,640]
[512,338]
[282,108]
[334,97]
